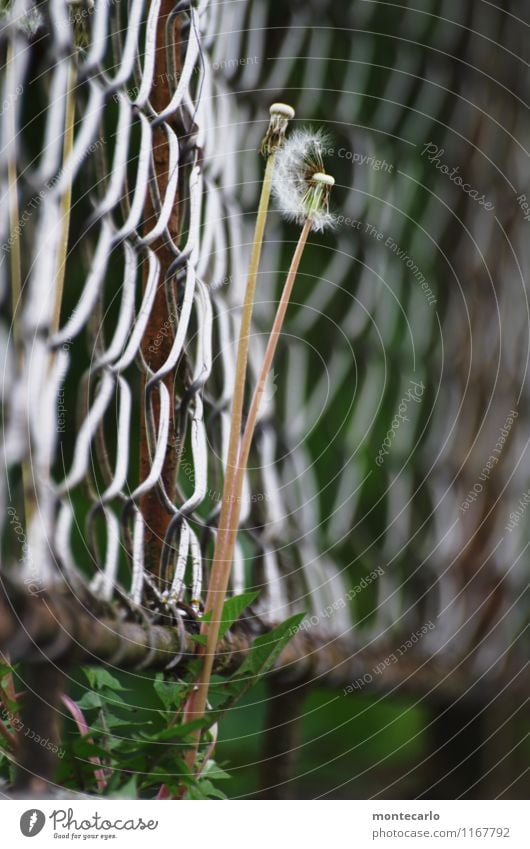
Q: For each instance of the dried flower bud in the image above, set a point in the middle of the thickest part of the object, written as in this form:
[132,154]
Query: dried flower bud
[280,114]
[79,10]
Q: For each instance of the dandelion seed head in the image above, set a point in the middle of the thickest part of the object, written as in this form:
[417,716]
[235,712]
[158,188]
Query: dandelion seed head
[300,183]
[31,22]
[28,21]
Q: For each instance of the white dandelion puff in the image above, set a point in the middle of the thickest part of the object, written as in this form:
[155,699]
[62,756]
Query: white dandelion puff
[300,184]
[28,22]
[31,22]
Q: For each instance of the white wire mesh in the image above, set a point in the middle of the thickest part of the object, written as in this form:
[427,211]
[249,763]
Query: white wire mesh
[304,511]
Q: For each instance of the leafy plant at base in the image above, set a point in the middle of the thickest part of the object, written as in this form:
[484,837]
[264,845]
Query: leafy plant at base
[139,755]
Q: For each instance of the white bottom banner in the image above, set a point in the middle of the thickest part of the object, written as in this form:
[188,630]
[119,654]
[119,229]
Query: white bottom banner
[355,824]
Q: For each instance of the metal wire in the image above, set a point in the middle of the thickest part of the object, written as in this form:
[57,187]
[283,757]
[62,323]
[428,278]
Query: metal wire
[362,297]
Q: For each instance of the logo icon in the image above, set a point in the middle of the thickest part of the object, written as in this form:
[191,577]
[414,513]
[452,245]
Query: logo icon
[32,822]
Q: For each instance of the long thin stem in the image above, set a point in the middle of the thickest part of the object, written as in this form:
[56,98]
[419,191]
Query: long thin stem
[250,427]
[66,200]
[80,721]
[219,574]
[16,273]
[220,571]
[232,496]
[66,208]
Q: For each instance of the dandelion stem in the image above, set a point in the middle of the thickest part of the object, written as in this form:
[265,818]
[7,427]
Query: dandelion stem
[220,570]
[66,200]
[229,518]
[16,271]
[66,207]
[80,721]
[250,427]
[232,497]
[16,274]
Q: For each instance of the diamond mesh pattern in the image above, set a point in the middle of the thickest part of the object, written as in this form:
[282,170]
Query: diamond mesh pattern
[420,300]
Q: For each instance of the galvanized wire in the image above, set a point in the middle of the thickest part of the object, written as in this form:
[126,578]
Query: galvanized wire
[315,521]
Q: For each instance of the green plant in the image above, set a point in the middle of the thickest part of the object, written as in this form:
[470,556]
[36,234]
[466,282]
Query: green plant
[302,188]
[280,114]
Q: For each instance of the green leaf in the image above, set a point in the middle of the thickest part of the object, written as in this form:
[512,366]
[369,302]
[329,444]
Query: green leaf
[129,790]
[214,772]
[99,678]
[174,732]
[115,721]
[205,790]
[172,782]
[193,669]
[170,693]
[8,704]
[90,700]
[85,749]
[111,698]
[132,755]
[232,610]
[267,648]
[263,654]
